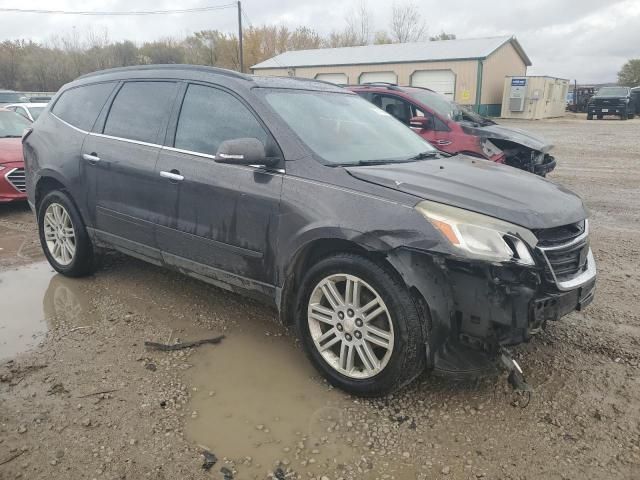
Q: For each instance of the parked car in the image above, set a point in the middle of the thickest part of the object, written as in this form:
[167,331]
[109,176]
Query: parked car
[9,96]
[612,101]
[30,111]
[40,99]
[635,95]
[454,129]
[388,257]
[12,182]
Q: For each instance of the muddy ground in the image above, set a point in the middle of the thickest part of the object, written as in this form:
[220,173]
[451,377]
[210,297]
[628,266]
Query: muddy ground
[82,398]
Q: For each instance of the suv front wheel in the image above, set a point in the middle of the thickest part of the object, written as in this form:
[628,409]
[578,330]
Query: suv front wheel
[63,236]
[359,325]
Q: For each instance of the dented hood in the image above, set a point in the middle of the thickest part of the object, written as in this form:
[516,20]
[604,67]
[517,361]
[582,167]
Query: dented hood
[481,186]
[514,135]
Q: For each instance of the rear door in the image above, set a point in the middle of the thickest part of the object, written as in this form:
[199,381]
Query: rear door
[221,219]
[123,150]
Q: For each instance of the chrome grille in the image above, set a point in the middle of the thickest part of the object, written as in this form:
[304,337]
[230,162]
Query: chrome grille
[566,254]
[567,262]
[16,178]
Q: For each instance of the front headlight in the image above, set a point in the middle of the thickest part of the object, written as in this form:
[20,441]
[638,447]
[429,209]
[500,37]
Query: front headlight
[480,236]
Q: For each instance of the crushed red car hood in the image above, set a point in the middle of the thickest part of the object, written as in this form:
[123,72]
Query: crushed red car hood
[481,186]
[10,150]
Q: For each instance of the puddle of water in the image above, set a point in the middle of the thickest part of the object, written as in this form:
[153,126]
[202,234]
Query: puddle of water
[31,297]
[22,319]
[266,399]
[18,246]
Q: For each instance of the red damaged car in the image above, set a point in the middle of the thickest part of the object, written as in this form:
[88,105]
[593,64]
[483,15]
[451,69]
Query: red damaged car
[12,126]
[454,129]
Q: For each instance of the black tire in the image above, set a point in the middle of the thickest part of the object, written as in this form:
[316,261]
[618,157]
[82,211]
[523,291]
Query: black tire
[589,117]
[408,357]
[600,117]
[84,260]
[624,116]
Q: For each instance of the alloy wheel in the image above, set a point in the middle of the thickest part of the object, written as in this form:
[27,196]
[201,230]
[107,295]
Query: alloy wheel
[59,234]
[350,326]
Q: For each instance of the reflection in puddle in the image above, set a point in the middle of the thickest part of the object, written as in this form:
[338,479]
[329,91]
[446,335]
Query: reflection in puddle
[32,299]
[256,398]
[22,321]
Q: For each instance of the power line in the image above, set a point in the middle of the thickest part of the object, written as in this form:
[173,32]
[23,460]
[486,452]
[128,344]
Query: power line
[119,13]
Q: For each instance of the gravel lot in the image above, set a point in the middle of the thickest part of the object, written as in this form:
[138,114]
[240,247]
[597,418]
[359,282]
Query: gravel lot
[81,397]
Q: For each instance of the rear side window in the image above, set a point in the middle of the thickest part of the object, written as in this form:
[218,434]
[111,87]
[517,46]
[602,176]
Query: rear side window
[140,110]
[81,106]
[210,116]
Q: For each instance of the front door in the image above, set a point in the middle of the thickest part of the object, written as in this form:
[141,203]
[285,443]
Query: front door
[123,151]
[221,219]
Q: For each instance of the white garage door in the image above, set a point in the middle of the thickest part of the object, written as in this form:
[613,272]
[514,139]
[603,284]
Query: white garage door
[337,78]
[373,77]
[441,81]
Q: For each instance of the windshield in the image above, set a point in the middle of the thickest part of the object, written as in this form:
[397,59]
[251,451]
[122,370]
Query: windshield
[445,107]
[612,92]
[344,129]
[12,97]
[439,103]
[36,111]
[12,125]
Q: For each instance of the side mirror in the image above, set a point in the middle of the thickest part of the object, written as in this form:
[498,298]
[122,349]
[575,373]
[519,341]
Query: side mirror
[244,151]
[421,123]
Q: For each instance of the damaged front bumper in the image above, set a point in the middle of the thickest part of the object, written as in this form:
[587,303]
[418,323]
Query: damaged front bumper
[476,309]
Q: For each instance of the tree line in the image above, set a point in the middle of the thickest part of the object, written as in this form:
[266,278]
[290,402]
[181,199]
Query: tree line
[27,65]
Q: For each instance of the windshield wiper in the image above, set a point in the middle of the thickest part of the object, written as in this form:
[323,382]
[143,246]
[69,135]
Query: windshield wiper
[10,136]
[424,155]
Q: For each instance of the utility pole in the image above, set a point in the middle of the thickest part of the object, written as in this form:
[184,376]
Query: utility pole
[240,36]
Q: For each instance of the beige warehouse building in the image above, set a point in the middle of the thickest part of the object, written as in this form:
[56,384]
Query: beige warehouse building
[470,71]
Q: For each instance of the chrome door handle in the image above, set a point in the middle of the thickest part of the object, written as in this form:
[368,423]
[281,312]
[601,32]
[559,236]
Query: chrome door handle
[176,177]
[91,158]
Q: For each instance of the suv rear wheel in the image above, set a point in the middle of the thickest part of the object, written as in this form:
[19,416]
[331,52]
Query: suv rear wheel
[360,326]
[63,236]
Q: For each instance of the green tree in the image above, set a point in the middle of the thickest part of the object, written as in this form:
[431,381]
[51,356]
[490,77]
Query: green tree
[629,74]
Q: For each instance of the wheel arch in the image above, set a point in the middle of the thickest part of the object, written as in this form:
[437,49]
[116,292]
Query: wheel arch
[319,248]
[47,182]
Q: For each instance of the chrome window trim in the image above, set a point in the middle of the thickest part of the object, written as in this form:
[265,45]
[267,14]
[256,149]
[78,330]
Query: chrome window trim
[121,139]
[68,124]
[189,152]
[276,171]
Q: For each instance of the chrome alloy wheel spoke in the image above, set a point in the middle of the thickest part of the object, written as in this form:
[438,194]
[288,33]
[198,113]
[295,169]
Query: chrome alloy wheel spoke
[350,326]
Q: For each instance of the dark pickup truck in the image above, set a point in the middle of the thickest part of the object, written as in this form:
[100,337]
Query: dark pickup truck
[617,101]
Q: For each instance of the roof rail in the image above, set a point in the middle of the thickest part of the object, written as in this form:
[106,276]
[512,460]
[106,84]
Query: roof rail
[176,66]
[390,86]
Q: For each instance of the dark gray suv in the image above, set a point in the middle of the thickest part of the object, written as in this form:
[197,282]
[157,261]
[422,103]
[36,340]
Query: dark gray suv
[388,257]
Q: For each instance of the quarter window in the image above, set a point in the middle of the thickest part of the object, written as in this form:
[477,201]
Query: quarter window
[81,106]
[210,116]
[140,110]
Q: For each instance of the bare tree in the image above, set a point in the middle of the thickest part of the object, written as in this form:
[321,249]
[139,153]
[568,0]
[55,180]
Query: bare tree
[359,23]
[407,24]
[443,36]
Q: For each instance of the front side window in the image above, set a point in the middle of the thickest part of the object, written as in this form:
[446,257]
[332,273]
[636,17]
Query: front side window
[210,116]
[140,110]
[345,129]
[81,106]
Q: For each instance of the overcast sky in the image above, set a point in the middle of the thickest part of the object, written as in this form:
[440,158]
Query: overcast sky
[587,40]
